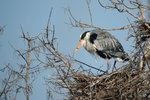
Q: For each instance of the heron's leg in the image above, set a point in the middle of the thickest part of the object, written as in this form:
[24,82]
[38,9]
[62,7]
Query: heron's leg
[114,66]
[107,64]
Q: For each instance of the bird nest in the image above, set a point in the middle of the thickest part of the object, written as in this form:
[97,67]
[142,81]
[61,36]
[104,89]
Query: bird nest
[125,84]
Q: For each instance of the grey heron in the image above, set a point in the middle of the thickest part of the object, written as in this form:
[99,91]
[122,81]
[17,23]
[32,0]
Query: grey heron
[103,44]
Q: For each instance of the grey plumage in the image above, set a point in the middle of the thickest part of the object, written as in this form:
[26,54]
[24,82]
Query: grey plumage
[104,44]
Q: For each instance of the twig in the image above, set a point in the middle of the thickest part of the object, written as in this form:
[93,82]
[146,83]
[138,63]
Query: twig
[87,1]
[79,24]
[47,29]
[116,5]
[141,9]
[90,66]
[28,67]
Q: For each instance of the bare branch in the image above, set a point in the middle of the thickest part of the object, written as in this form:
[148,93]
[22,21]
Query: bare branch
[133,15]
[84,25]
[88,3]
[141,9]
[116,5]
[47,29]
[135,7]
[90,66]
[28,66]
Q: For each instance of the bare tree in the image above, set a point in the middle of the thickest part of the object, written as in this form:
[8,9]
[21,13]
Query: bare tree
[19,76]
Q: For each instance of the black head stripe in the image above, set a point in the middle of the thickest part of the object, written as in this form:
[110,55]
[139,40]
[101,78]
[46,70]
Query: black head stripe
[93,37]
[83,35]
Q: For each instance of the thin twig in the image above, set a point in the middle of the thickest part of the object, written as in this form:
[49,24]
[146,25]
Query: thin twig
[47,29]
[141,9]
[90,66]
[79,24]
[88,3]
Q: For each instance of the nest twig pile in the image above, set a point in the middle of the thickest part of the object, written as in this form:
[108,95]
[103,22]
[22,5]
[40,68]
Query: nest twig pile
[126,84]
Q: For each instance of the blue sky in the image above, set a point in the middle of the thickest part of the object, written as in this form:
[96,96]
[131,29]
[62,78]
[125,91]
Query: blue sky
[33,16]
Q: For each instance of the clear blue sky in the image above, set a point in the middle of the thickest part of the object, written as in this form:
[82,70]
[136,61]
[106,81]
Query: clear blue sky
[33,16]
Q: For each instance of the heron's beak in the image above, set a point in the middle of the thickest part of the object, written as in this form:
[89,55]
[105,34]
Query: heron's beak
[80,44]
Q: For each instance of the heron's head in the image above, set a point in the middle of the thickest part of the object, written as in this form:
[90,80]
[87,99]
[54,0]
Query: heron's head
[83,38]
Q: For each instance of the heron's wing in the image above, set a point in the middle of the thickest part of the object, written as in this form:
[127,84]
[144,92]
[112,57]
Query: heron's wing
[105,42]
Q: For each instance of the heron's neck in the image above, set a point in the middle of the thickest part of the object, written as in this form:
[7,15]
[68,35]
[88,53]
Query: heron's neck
[89,47]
